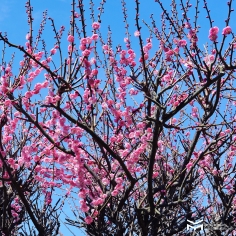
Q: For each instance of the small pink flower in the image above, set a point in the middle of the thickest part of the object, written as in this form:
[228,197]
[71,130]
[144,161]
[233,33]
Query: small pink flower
[227,131]
[227,30]
[126,40]
[49,59]
[105,47]
[89,40]
[82,47]
[136,33]
[28,94]
[209,59]
[76,14]
[70,38]
[114,193]
[86,52]
[83,41]
[214,30]
[132,91]
[88,220]
[176,50]
[27,36]
[213,37]
[182,43]
[94,72]
[53,51]
[94,37]
[213,33]
[84,208]
[8,69]
[96,25]
[213,51]
[187,25]
[214,172]
[70,48]
[92,60]
[68,61]
[189,166]
[174,120]
[170,53]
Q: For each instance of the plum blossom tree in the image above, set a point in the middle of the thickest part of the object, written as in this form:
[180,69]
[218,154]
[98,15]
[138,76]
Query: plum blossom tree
[140,137]
[22,198]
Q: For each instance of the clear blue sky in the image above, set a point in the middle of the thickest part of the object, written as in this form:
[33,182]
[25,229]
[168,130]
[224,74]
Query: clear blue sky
[13,20]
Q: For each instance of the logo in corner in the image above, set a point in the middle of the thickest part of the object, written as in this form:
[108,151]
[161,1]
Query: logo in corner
[195,225]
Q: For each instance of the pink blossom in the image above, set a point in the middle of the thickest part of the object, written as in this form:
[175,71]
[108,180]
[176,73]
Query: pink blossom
[213,51]
[49,59]
[89,40]
[37,72]
[28,94]
[92,61]
[76,14]
[94,37]
[88,220]
[170,53]
[27,36]
[146,56]
[209,59]
[84,208]
[222,134]
[213,37]
[227,131]
[8,69]
[148,46]
[123,53]
[70,38]
[174,120]
[70,47]
[214,172]
[94,72]
[182,43]
[114,193]
[105,181]
[105,47]
[119,180]
[53,51]
[68,61]
[136,33]
[214,30]
[82,47]
[82,194]
[176,50]
[189,165]
[6,103]
[126,40]
[187,25]
[96,25]
[83,41]
[227,30]
[132,91]
[132,63]
[213,33]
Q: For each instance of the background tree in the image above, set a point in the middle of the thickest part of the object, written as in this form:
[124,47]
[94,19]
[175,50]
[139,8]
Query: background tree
[140,140]
[25,207]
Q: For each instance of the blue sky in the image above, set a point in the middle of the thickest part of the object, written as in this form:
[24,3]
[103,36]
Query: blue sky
[13,20]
